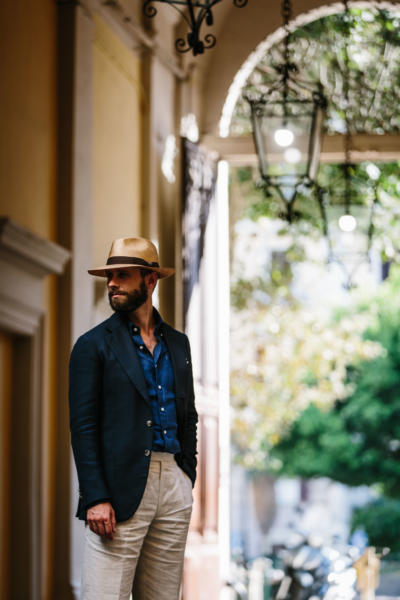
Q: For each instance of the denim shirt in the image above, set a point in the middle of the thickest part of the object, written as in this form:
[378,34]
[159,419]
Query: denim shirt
[159,376]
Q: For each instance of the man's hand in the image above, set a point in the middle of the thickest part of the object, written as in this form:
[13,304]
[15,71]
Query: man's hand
[101,519]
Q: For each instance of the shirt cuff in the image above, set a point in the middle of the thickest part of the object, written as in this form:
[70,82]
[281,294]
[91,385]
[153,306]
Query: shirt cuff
[91,504]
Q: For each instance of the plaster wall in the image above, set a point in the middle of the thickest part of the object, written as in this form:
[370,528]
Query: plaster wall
[116,141]
[164,176]
[28,123]
[163,26]
[28,114]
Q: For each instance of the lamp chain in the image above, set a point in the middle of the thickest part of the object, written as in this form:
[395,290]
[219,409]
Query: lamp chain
[286,13]
[346,93]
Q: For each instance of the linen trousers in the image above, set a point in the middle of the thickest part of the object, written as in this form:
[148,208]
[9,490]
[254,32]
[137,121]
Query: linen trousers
[146,555]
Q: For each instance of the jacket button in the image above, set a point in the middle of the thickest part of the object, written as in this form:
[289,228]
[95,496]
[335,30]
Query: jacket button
[149,423]
[147,452]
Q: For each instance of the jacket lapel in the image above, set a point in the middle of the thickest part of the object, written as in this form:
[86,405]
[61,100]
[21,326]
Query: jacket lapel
[175,351]
[122,345]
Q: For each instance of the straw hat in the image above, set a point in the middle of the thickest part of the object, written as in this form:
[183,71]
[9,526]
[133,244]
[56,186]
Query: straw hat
[133,252]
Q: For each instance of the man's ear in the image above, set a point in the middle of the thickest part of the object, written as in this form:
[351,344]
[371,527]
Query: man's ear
[152,279]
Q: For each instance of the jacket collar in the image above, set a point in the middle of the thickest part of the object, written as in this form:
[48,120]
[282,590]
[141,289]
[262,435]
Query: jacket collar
[120,341]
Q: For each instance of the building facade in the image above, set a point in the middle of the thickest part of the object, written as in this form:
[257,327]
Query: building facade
[94,102]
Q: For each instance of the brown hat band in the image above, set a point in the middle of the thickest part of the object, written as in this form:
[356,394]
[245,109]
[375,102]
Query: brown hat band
[130,260]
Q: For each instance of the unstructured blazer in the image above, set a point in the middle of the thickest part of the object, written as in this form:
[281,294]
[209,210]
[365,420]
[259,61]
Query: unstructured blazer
[111,416]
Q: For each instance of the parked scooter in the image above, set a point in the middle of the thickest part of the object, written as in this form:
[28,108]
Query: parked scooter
[312,572]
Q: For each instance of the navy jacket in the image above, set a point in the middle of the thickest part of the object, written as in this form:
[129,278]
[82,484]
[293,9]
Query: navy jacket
[111,416]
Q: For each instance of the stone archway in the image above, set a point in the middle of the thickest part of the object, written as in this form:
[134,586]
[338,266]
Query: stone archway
[217,77]
[240,149]
[242,35]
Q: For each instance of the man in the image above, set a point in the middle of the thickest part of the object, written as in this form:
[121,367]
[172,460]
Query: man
[133,432]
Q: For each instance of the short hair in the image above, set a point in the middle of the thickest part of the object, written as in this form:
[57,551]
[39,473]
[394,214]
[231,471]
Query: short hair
[145,272]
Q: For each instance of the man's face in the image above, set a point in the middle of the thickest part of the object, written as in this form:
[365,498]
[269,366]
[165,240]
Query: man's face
[127,289]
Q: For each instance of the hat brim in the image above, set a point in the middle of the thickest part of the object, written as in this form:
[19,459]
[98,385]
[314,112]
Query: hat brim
[162,272]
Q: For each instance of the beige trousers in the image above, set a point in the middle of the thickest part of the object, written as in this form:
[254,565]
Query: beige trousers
[146,554]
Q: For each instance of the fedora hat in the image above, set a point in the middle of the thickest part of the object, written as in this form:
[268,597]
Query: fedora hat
[133,252]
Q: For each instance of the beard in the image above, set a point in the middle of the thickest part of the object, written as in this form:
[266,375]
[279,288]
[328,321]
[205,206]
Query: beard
[129,302]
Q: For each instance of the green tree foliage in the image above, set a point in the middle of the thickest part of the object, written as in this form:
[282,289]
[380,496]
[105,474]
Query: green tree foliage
[294,359]
[357,441]
[381,522]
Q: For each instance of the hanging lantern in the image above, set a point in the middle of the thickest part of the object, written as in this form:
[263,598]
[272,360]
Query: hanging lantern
[287,123]
[348,203]
[347,209]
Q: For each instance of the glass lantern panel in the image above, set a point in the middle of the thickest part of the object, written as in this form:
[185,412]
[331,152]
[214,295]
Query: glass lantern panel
[349,246]
[286,145]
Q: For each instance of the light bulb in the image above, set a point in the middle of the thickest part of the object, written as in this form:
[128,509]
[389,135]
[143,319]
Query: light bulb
[347,223]
[292,155]
[283,137]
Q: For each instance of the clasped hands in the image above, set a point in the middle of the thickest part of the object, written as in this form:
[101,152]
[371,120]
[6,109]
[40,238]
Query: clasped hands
[101,519]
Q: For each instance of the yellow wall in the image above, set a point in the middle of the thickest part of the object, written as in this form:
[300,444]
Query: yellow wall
[28,113]
[28,125]
[5,416]
[116,136]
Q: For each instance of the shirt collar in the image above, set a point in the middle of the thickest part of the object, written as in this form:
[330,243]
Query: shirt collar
[158,323]
[158,320]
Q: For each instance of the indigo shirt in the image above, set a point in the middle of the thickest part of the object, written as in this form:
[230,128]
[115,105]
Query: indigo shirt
[159,376]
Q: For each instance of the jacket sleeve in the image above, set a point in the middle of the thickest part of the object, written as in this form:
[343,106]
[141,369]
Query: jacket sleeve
[85,391]
[190,432]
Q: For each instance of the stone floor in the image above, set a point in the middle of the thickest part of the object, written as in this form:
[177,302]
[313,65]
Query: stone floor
[389,587]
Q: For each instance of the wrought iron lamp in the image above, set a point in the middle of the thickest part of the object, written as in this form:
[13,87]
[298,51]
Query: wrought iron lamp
[287,122]
[348,203]
[347,206]
[347,209]
[194,12]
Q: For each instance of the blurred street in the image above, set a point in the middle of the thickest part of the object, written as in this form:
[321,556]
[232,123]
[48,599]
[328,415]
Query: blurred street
[389,587]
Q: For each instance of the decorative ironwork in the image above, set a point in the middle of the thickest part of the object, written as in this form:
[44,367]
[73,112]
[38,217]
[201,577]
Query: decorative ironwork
[194,12]
[199,181]
[287,121]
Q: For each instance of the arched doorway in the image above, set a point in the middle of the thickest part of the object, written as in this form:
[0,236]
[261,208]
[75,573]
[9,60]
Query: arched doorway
[239,151]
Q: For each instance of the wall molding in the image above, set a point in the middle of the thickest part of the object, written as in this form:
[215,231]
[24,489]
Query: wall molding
[25,259]
[18,318]
[37,252]
[138,39]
